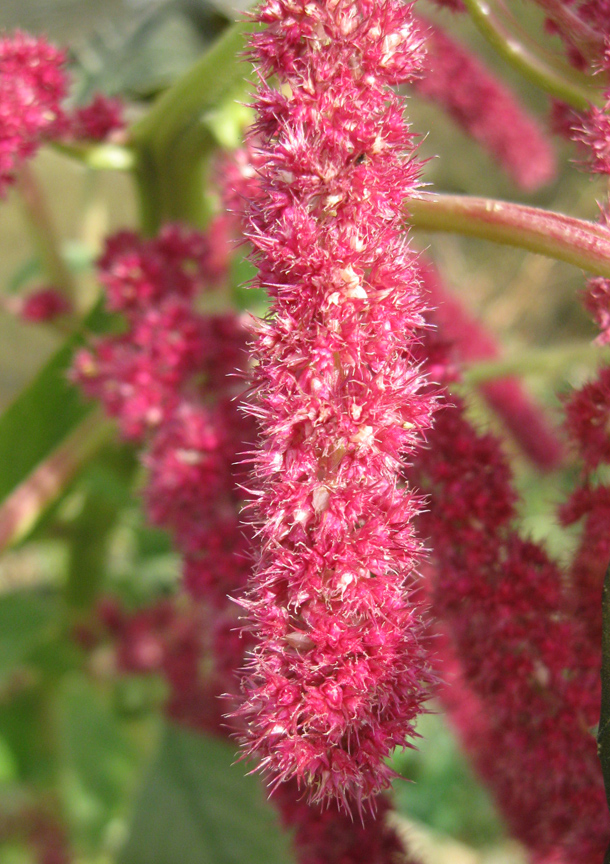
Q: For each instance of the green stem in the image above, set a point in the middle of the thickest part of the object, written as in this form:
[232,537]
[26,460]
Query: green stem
[43,231]
[149,194]
[90,532]
[171,142]
[99,157]
[578,33]
[549,361]
[24,506]
[576,241]
[201,88]
[182,182]
[553,76]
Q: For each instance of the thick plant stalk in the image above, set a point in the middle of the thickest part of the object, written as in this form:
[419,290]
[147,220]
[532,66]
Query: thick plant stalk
[576,241]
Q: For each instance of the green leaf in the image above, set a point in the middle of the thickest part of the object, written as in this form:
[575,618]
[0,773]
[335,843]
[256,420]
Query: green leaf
[445,794]
[101,759]
[28,270]
[197,807]
[27,621]
[143,57]
[42,415]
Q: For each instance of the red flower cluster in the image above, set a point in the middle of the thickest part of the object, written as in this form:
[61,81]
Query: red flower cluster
[97,120]
[169,379]
[339,671]
[141,375]
[507,612]
[44,305]
[330,836]
[597,302]
[588,420]
[33,86]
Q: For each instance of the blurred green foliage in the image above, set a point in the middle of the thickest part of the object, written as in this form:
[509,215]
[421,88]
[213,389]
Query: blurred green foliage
[133,788]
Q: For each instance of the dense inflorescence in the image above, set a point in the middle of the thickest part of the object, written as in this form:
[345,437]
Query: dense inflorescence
[339,671]
[170,377]
[511,623]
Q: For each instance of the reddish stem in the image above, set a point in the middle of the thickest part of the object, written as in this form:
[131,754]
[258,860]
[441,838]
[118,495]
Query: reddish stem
[577,241]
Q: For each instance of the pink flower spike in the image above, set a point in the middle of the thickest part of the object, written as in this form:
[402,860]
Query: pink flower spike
[340,670]
[486,110]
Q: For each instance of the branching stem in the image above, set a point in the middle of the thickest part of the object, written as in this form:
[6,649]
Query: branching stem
[44,233]
[577,241]
[553,76]
[548,361]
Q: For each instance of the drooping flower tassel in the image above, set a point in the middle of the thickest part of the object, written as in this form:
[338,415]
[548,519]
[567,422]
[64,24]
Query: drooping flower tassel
[340,670]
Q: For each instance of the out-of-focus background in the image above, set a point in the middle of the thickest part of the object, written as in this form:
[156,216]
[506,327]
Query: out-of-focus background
[135,48]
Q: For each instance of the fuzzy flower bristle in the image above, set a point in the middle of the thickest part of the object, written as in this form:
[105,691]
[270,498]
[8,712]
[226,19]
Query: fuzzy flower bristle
[340,670]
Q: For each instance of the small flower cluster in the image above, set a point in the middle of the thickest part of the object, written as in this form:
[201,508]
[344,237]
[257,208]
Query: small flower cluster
[588,420]
[592,129]
[330,835]
[44,305]
[485,109]
[339,671]
[98,120]
[140,374]
[597,303]
[33,86]
[169,379]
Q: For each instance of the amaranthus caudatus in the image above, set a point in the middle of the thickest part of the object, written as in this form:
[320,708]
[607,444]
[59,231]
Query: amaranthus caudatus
[339,670]
[348,535]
